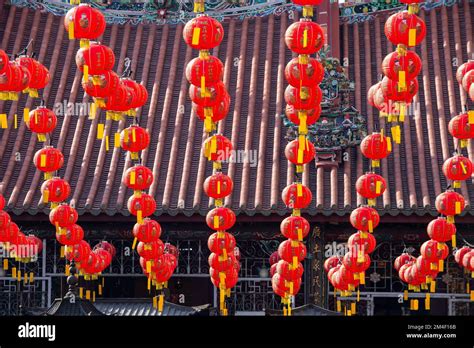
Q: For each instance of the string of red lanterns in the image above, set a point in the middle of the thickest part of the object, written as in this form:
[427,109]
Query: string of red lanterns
[211,103]
[303,97]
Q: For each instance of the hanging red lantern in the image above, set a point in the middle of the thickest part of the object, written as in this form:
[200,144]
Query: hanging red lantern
[10,230]
[294,227]
[282,286]
[457,168]
[139,91]
[312,115]
[304,74]
[303,97]
[148,231]
[48,160]
[441,230]
[220,219]
[4,60]
[39,75]
[371,186]
[463,70]
[365,219]
[84,22]
[203,33]
[460,128]
[434,251]
[384,105]
[8,79]
[98,58]
[220,241]
[220,263]
[105,256]
[63,216]
[218,185]
[171,249]
[91,264]
[391,90]
[297,196]
[450,203]
[459,255]
[403,259]
[231,278]
[209,96]
[356,262]
[78,252]
[424,268]
[304,37]
[107,247]
[371,94]
[143,205]
[273,269]
[119,101]
[71,235]
[274,258]
[331,262]
[216,113]
[138,178]
[405,28]
[300,151]
[205,71]
[288,272]
[405,268]
[467,260]
[291,249]
[101,86]
[217,148]
[152,250]
[134,139]
[5,220]
[41,121]
[55,190]
[468,80]
[376,146]
[401,68]
[2,202]
[360,241]
[171,260]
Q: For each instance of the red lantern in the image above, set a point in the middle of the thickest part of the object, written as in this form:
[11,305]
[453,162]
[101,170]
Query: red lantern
[221,263]
[210,96]
[450,203]
[107,247]
[297,196]
[119,101]
[424,267]
[139,91]
[101,86]
[230,280]
[217,148]
[220,241]
[434,251]
[220,219]
[291,249]
[460,128]
[394,64]
[2,202]
[356,262]
[84,22]
[298,153]
[63,216]
[55,190]
[78,252]
[295,227]
[403,259]
[42,121]
[148,231]
[71,235]
[283,288]
[304,37]
[138,178]
[392,91]
[457,168]
[171,260]
[143,204]
[105,256]
[218,185]
[288,272]
[98,58]
[403,269]
[48,160]
[134,139]
[330,263]
[203,33]
[273,269]
[10,230]
[375,146]
[304,74]
[12,73]
[215,113]
[365,219]
[467,260]
[384,105]
[361,241]
[459,255]
[468,80]
[371,186]
[303,97]
[462,70]
[21,84]
[312,115]
[371,94]
[274,258]
[39,75]
[405,28]
[152,250]
[205,71]
[4,60]
[171,249]
[440,230]
[91,264]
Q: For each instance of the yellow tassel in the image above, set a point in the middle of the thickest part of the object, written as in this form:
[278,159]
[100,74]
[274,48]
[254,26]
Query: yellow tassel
[32,277]
[100,131]
[117,140]
[61,251]
[453,241]
[412,37]
[378,187]
[106,143]
[353,308]
[155,301]
[88,294]
[463,143]
[389,144]
[67,270]
[427,302]
[132,178]
[470,115]
[208,124]
[405,295]
[358,295]
[216,221]
[371,226]
[300,234]
[26,115]
[81,292]
[308,11]
[139,216]
[458,207]
[14,272]
[196,34]
[362,278]
[338,305]
[299,190]
[433,286]
[305,38]
[472,295]
[295,262]
[5,264]
[441,265]
[93,111]
[86,73]
[15,121]
[3,121]
[375,163]
[100,289]
[303,127]
[71,30]
[148,284]
[18,274]
[45,196]
[401,80]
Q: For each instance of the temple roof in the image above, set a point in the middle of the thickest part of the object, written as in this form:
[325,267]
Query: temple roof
[255,56]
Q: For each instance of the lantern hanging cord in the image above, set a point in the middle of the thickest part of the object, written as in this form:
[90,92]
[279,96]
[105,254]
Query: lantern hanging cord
[127,71]
[24,52]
